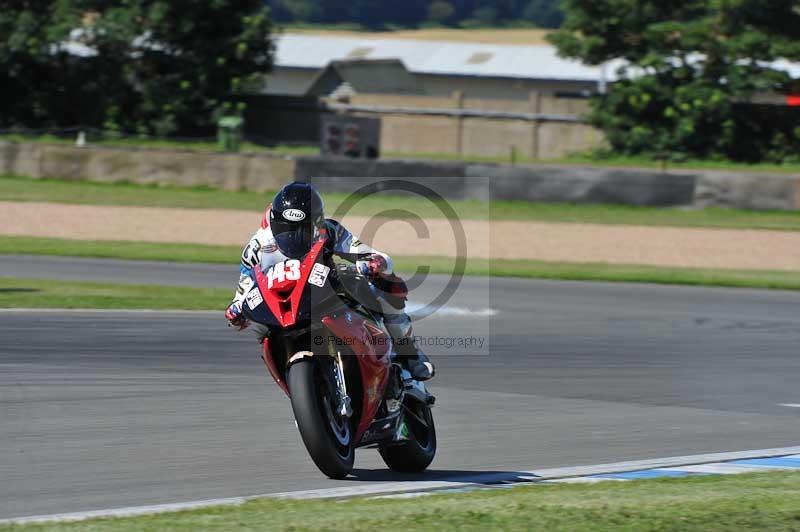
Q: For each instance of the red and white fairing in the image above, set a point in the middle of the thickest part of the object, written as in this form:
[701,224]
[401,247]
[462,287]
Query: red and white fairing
[283,285]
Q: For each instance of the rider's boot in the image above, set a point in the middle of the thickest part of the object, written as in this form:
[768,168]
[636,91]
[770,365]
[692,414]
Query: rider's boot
[411,357]
[398,323]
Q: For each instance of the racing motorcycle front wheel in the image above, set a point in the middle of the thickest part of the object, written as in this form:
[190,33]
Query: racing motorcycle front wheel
[416,452]
[328,436]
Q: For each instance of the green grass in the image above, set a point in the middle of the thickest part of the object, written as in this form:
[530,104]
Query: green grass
[13,188]
[23,245]
[408,264]
[761,501]
[571,271]
[638,161]
[38,293]
[607,161]
[172,144]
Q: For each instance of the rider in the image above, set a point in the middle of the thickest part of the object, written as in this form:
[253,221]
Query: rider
[291,224]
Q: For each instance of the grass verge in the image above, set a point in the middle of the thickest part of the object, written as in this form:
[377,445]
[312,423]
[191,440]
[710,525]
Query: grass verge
[626,273]
[38,293]
[84,192]
[513,35]
[603,160]
[170,144]
[762,501]
[104,249]
[409,264]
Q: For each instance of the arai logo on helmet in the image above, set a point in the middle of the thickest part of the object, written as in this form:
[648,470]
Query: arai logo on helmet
[294,215]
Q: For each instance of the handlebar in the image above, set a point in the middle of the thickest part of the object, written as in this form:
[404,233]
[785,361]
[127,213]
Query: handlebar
[348,269]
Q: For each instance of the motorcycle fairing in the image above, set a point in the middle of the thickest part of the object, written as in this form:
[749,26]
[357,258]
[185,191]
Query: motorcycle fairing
[283,300]
[269,360]
[373,358]
[259,313]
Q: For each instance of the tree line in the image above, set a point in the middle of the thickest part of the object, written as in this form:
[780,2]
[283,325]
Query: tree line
[693,69]
[694,72]
[376,14]
[151,67]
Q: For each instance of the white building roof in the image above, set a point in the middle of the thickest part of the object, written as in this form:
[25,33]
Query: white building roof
[437,57]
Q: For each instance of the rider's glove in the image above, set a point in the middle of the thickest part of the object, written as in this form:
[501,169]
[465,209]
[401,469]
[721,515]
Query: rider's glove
[234,316]
[373,267]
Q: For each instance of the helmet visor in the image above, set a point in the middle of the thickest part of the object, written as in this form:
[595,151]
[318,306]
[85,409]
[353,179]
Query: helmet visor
[294,240]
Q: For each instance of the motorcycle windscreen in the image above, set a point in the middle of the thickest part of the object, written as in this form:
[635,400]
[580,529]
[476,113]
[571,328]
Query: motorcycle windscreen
[297,290]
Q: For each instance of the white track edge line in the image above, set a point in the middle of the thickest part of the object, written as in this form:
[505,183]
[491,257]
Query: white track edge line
[388,488]
[106,311]
[444,310]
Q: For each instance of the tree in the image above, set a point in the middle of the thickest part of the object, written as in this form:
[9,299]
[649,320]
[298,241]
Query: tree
[295,10]
[376,14]
[544,13]
[485,15]
[440,11]
[690,65]
[31,61]
[150,66]
[183,60]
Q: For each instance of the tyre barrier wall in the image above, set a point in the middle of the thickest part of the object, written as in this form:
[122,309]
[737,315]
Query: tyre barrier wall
[453,180]
[564,183]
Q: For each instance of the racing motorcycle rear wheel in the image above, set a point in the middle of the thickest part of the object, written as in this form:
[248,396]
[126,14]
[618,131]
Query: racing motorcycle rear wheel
[417,452]
[328,437]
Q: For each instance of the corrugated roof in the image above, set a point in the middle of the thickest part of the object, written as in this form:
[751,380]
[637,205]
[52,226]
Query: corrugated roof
[365,75]
[436,57]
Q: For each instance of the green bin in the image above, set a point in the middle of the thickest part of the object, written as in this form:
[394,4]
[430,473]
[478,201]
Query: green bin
[229,133]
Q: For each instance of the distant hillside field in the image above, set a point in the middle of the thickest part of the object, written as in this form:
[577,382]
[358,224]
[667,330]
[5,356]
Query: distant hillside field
[489,36]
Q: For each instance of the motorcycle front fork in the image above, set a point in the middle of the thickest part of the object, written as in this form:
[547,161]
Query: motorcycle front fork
[343,407]
[393,395]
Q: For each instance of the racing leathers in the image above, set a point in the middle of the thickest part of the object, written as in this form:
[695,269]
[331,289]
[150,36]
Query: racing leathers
[263,251]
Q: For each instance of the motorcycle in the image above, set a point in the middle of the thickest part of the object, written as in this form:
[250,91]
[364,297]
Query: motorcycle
[328,349]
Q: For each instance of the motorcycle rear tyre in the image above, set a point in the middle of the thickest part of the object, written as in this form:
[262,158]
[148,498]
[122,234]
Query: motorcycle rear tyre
[413,455]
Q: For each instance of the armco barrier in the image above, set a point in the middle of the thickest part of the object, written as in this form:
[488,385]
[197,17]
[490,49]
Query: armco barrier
[748,191]
[346,175]
[455,180]
[579,184]
[562,183]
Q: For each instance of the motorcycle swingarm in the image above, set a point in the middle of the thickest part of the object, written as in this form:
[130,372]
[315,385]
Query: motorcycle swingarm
[418,392]
[384,430]
[388,430]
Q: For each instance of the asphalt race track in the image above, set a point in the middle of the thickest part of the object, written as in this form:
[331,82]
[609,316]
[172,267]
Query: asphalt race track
[111,409]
